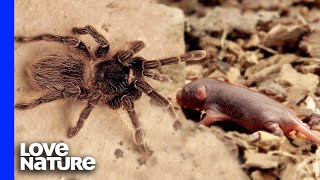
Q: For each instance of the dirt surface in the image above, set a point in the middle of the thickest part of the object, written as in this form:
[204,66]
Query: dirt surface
[190,153]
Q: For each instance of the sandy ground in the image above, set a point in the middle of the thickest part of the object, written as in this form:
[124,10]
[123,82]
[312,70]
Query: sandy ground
[190,153]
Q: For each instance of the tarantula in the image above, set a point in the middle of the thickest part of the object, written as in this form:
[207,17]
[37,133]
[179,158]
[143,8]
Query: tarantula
[115,82]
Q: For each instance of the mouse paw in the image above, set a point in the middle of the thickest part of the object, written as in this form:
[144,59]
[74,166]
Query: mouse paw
[274,128]
[213,115]
[313,119]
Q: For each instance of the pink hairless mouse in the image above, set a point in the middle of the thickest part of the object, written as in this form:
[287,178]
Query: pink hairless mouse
[253,110]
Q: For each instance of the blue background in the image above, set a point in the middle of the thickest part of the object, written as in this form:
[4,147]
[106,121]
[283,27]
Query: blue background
[7,90]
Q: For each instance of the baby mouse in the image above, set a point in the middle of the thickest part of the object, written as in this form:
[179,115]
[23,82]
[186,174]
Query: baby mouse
[223,101]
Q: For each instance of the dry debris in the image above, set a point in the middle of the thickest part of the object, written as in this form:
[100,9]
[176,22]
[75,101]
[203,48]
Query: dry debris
[282,35]
[230,19]
[311,45]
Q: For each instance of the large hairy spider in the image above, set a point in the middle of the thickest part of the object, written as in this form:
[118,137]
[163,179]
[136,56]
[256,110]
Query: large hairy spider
[115,82]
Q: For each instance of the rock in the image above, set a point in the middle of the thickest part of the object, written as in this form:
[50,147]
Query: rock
[298,85]
[254,41]
[290,172]
[311,43]
[218,74]
[296,94]
[220,52]
[273,60]
[312,68]
[281,35]
[290,77]
[249,58]
[273,90]
[260,160]
[311,105]
[262,4]
[208,41]
[267,69]
[265,74]
[260,175]
[233,75]
[266,141]
[307,65]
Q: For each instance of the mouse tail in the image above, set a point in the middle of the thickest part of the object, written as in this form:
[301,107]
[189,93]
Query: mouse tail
[300,127]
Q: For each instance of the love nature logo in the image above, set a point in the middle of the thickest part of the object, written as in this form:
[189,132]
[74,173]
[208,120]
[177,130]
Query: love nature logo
[52,156]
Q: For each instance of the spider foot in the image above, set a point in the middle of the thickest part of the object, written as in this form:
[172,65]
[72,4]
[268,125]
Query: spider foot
[145,155]
[79,31]
[23,106]
[72,132]
[142,148]
[19,39]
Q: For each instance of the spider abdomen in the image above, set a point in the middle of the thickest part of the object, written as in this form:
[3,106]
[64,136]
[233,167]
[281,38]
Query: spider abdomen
[59,71]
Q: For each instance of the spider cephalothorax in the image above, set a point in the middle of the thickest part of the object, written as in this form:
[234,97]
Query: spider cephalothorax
[115,82]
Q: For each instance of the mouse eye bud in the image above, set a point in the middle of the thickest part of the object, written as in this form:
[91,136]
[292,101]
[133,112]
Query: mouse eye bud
[201,93]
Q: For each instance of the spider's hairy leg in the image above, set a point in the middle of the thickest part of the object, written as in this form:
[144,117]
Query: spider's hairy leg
[103,43]
[189,56]
[136,46]
[152,93]
[139,138]
[68,40]
[156,76]
[49,97]
[83,116]
[93,98]
[125,56]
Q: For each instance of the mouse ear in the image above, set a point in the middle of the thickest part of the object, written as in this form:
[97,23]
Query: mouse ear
[201,93]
